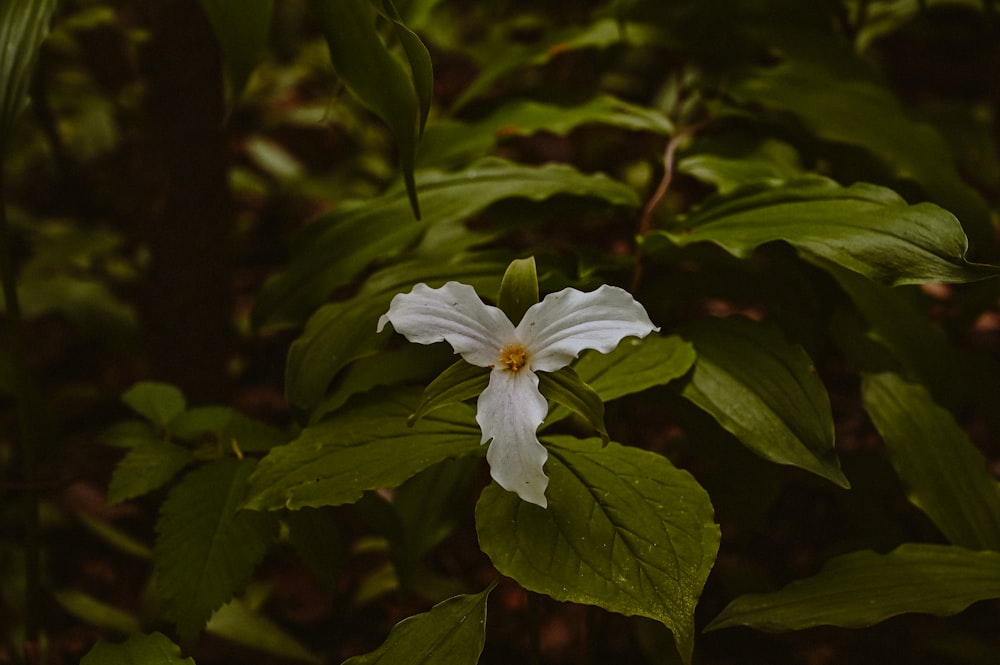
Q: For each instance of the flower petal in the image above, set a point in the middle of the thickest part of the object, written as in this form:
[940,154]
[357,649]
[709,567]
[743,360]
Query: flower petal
[557,329]
[509,411]
[452,313]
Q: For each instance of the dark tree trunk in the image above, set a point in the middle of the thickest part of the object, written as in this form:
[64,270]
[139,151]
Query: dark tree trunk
[186,213]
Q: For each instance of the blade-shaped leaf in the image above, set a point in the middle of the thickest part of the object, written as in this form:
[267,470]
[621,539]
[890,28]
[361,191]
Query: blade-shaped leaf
[564,387]
[899,323]
[637,364]
[449,143]
[419,58]
[764,391]
[157,402]
[943,472]
[334,249]
[341,332]
[206,549]
[152,649]
[242,28]
[624,530]
[146,467]
[452,632]
[461,381]
[863,588]
[864,228]
[373,74]
[237,622]
[23,27]
[863,113]
[364,448]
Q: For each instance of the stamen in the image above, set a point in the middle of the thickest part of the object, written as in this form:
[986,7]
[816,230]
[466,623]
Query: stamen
[513,357]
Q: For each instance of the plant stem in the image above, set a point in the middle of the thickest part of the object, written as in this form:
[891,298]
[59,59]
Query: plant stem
[28,434]
[646,222]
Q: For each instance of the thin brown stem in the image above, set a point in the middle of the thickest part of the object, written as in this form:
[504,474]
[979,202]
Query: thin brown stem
[646,221]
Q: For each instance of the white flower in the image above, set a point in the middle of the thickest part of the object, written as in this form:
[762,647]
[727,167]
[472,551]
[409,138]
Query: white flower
[550,335]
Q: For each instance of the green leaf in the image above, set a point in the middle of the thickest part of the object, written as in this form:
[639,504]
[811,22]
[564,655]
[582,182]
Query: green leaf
[729,165]
[95,613]
[242,28]
[206,548]
[341,332]
[636,365]
[374,75]
[410,363]
[864,228]
[943,472]
[237,622]
[157,402]
[450,143]
[565,387]
[337,334]
[452,632]
[419,58]
[863,588]
[334,249]
[146,467]
[152,649]
[23,27]
[624,530]
[364,448]
[863,113]
[518,289]
[765,391]
[899,324]
[461,381]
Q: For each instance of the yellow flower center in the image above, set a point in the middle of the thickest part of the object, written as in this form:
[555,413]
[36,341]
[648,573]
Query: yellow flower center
[513,357]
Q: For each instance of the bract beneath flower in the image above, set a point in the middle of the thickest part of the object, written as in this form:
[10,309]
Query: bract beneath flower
[550,335]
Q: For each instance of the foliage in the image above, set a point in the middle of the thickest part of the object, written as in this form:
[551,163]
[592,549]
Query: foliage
[802,196]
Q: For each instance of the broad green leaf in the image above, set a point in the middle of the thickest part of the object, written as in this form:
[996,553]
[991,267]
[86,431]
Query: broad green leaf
[364,448]
[637,364]
[564,387]
[765,391]
[23,27]
[863,113]
[500,57]
[229,427]
[334,249]
[864,228]
[624,530]
[242,28]
[341,332]
[451,632]
[337,334]
[96,613]
[374,75]
[152,649]
[157,402]
[237,622]
[863,588]
[518,289]
[899,323]
[450,143]
[729,165]
[206,548]
[410,363]
[146,467]
[461,381]
[943,472]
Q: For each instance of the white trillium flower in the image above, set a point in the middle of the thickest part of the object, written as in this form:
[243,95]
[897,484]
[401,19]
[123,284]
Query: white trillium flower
[550,335]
